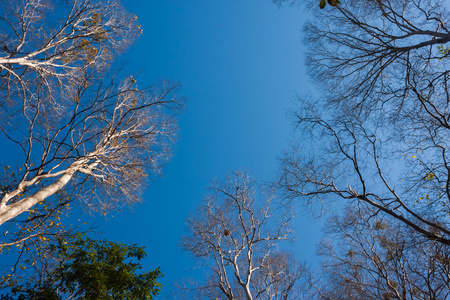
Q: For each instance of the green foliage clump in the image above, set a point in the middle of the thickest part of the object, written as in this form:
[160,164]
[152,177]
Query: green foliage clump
[323,3]
[90,269]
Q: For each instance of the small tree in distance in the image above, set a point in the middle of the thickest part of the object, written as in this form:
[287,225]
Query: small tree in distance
[235,233]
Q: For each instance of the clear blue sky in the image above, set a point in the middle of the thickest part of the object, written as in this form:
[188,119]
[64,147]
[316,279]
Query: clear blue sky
[241,65]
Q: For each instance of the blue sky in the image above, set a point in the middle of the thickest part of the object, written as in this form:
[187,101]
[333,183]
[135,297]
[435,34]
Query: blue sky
[240,64]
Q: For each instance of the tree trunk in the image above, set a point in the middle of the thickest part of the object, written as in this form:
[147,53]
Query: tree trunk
[8,212]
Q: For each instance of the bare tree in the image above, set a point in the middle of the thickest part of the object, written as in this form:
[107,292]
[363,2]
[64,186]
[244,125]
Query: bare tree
[94,146]
[57,42]
[373,54]
[374,145]
[82,132]
[377,258]
[380,132]
[236,237]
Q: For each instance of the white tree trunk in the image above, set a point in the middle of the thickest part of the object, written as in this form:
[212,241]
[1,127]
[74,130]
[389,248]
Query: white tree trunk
[8,212]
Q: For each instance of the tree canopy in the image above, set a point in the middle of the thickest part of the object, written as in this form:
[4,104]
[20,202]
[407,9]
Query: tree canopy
[378,134]
[236,233]
[84,268]
[85,133]
[382,119]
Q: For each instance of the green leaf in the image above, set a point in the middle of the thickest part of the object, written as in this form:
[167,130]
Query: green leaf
[323,3]
[94,270]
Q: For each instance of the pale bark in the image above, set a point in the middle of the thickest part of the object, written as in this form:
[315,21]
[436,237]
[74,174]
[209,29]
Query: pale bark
[237,237]
[10,211]
[97,150]
[34,45]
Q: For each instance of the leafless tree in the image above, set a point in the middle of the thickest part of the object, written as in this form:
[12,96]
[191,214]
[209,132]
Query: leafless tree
[374,145]
[374,54]
[379,133]
[377,258]
[57,42]
[96,146]
[81,130]
[236,236]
